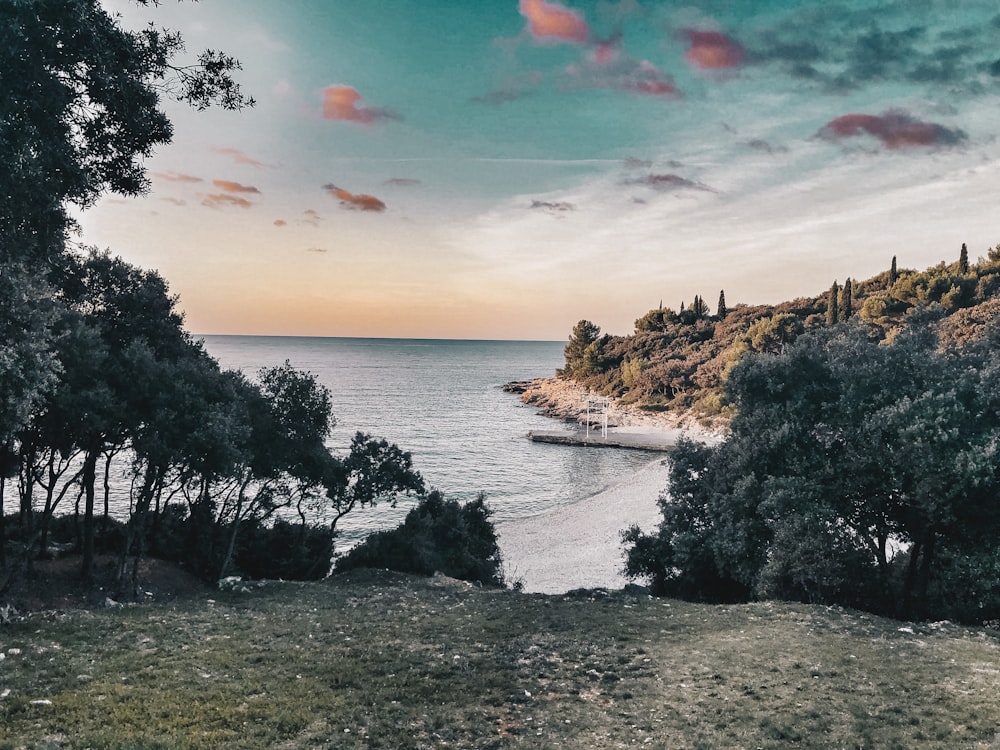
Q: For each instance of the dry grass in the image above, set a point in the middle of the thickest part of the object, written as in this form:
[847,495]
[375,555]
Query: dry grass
[378,660]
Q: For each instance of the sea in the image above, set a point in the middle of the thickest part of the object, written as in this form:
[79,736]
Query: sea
[442,401]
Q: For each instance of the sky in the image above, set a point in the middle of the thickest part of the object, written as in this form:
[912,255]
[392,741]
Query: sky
[500,169]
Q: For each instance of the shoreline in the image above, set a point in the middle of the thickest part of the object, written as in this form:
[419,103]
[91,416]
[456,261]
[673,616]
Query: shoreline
[579,545]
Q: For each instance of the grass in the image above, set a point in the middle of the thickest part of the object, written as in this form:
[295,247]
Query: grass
[379,660]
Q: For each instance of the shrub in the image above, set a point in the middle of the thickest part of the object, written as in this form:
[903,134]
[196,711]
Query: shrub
[438,535]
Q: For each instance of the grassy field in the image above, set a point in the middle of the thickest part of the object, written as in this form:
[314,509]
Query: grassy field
[379,660]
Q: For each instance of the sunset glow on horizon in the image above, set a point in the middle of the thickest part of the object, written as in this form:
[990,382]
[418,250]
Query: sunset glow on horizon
[500,170]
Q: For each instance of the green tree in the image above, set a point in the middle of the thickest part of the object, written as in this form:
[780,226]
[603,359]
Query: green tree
[80,112]
[847,300]
[583,335]
[722,309]
[832,314]
[963,259]
[893,274]
[855,473]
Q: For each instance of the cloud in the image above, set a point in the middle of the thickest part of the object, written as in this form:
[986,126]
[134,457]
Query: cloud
[175,201]
[341,103]
[554,24]
[712,50]
[552,207]
[623,74]
[667,182]
[235,187]
[218,200]
[359,202]
[280,223]
[402,182]
[312,218]
[238,156]
[631,162]
[317,250]
[895,128]
[177,177]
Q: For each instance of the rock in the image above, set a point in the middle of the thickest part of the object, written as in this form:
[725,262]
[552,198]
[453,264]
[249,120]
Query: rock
[41,702]
[110,603]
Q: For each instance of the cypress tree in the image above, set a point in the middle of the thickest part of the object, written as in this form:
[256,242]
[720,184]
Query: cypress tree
[963,260]
[892,272]
[846,299]
[831,307]
[721,312]
[682,305]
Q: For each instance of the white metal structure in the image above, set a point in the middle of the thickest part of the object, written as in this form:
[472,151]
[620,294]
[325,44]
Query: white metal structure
[598,407]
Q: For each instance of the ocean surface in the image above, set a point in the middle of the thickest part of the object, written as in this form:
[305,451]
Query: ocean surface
[441,400]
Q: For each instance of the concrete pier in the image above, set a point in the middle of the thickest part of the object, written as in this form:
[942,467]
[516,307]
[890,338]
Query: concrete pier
[658,440]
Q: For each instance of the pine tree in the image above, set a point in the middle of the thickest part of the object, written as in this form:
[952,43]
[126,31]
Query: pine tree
[892,272]
[682,305]
[831,308]
[846,300]
[963,260]
[721,312]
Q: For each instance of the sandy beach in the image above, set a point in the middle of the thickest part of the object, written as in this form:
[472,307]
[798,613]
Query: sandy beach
[578,546]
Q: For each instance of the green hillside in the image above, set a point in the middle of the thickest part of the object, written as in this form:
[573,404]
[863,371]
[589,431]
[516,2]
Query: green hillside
[679,360]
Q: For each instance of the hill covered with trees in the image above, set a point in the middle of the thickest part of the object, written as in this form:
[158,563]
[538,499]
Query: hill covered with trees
[679,361]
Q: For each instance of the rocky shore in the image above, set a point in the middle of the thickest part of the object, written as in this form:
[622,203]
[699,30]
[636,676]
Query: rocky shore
[566,400]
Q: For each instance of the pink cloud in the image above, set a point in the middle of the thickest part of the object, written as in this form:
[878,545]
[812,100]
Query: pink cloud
[177,177]
[234,187]
[342,103]
[218,200]
[357,202]
[552,23]
[894,128]
[712,50]
[238,156]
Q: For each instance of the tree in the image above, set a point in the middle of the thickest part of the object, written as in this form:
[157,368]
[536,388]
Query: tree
[583,335]
[893,275]
[963,259]
[832,317]
[374,470]
[847,300]
[80,111]
[855,473]
[722,309]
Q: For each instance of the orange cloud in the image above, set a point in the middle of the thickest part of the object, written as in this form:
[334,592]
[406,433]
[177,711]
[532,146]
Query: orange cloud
[895,129]
[234,187]
[280,223]
[177,177]
[342,103]
[552,23]
[713,50]
[359,202]
[239,157]
[218,200]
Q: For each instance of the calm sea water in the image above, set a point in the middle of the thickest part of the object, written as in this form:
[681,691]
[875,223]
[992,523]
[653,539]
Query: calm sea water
[442,401]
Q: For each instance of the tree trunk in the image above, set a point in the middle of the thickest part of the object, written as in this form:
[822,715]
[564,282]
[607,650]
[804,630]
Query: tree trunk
[88,478]
[3,525]
[911,578]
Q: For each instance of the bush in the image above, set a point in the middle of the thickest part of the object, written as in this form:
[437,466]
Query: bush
[292,551]
[437,536]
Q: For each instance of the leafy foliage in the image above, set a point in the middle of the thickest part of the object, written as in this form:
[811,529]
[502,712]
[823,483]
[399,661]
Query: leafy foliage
[856,473]
[437,536]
